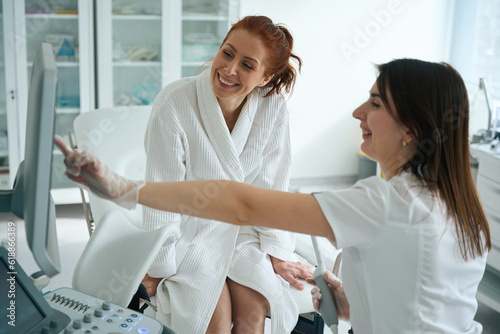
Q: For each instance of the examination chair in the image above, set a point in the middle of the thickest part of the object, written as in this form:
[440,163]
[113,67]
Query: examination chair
[116,136]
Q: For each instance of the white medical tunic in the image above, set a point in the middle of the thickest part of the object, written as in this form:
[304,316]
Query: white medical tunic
[187,139]
[402,268]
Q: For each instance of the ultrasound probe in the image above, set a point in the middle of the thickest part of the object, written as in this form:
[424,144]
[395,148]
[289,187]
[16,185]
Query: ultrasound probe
[326,304]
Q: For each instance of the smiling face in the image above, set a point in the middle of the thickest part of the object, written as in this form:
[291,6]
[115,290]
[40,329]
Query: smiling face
[382,134]
[238,68]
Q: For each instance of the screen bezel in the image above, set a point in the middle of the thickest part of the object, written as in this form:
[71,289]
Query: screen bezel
[31,198]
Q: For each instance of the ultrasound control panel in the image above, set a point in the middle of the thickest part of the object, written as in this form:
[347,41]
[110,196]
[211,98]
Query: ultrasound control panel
[93,315]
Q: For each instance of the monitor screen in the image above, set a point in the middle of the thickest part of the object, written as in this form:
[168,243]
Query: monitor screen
[31,199]
[24,309]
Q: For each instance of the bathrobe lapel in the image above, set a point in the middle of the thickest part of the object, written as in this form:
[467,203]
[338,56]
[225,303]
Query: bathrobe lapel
[244,123]
[228,146]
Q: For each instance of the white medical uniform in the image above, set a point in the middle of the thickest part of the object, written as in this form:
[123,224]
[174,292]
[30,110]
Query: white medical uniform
[402,267]
[188,139]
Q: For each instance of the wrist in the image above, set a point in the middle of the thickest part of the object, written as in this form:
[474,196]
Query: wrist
[275,262]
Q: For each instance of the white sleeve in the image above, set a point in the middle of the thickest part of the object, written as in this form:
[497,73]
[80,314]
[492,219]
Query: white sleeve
[274,174]
[357,214]
[165,162]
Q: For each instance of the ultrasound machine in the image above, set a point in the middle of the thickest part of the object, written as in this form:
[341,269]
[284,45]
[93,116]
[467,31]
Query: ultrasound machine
[24,309]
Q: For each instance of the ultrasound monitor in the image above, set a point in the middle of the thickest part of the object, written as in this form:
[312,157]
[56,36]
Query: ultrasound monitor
[30,198]
[22,304]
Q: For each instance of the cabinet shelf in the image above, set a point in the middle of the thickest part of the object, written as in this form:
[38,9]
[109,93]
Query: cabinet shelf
[67,64]
[43,16]
[136,63]
[203,17]
[62,64]
[61,111]
[118,17]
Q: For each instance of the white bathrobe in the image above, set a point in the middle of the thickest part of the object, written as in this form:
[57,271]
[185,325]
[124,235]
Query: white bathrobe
[187,139]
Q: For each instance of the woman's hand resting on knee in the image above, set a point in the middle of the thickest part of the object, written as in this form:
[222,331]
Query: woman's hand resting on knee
[291,271]
[151,284]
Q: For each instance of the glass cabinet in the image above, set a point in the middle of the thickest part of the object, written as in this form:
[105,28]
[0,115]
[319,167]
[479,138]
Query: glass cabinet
[143,45]
[129,51]
[204,26]
[137,48]
[4,120]
[68,26]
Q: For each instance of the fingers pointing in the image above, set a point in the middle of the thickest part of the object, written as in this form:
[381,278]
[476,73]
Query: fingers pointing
[65,149]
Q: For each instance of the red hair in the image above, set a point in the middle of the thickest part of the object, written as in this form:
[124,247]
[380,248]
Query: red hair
[278,42]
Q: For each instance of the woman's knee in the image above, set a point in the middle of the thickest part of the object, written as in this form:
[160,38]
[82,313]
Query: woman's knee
[221,318]
[249,309]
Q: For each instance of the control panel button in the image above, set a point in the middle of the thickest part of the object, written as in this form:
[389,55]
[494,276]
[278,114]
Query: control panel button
[98,313]
[69,331]
[54,324]
[87,318]
[123,326]
[77,324]
[106,306]
[45,330]
[142,330]
[133,315]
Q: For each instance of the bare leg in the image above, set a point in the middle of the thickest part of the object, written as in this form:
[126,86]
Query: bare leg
[249,309]
[221,319]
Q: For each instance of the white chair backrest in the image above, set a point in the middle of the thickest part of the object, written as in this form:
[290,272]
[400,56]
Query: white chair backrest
[116,136]
[117,257]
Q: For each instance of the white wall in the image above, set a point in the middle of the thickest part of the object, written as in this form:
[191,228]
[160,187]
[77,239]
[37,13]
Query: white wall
[339,41]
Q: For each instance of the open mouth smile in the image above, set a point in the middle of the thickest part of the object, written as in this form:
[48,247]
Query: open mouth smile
[226,83]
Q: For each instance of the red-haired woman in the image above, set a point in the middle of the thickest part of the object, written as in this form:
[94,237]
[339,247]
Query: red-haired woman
[230,122]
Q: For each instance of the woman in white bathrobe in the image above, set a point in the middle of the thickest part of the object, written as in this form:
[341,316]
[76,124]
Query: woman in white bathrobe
[414,242]
[230,122]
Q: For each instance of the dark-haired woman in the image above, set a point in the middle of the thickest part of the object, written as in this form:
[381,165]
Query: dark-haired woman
[230,122]
[414,244]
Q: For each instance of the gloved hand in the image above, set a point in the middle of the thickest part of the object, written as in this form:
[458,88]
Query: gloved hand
[337,290]
[89,172]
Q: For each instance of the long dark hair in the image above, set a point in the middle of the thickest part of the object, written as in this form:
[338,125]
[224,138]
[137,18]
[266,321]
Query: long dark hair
[431,100]
[278,41]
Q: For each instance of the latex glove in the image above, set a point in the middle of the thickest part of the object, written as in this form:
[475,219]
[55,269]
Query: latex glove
[290,271]
[337,290]
[89,172]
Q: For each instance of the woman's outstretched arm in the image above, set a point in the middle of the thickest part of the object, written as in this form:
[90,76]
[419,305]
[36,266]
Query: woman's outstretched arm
[239,204]
[227,201]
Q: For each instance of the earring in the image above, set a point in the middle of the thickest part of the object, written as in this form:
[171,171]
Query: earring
[404,143]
